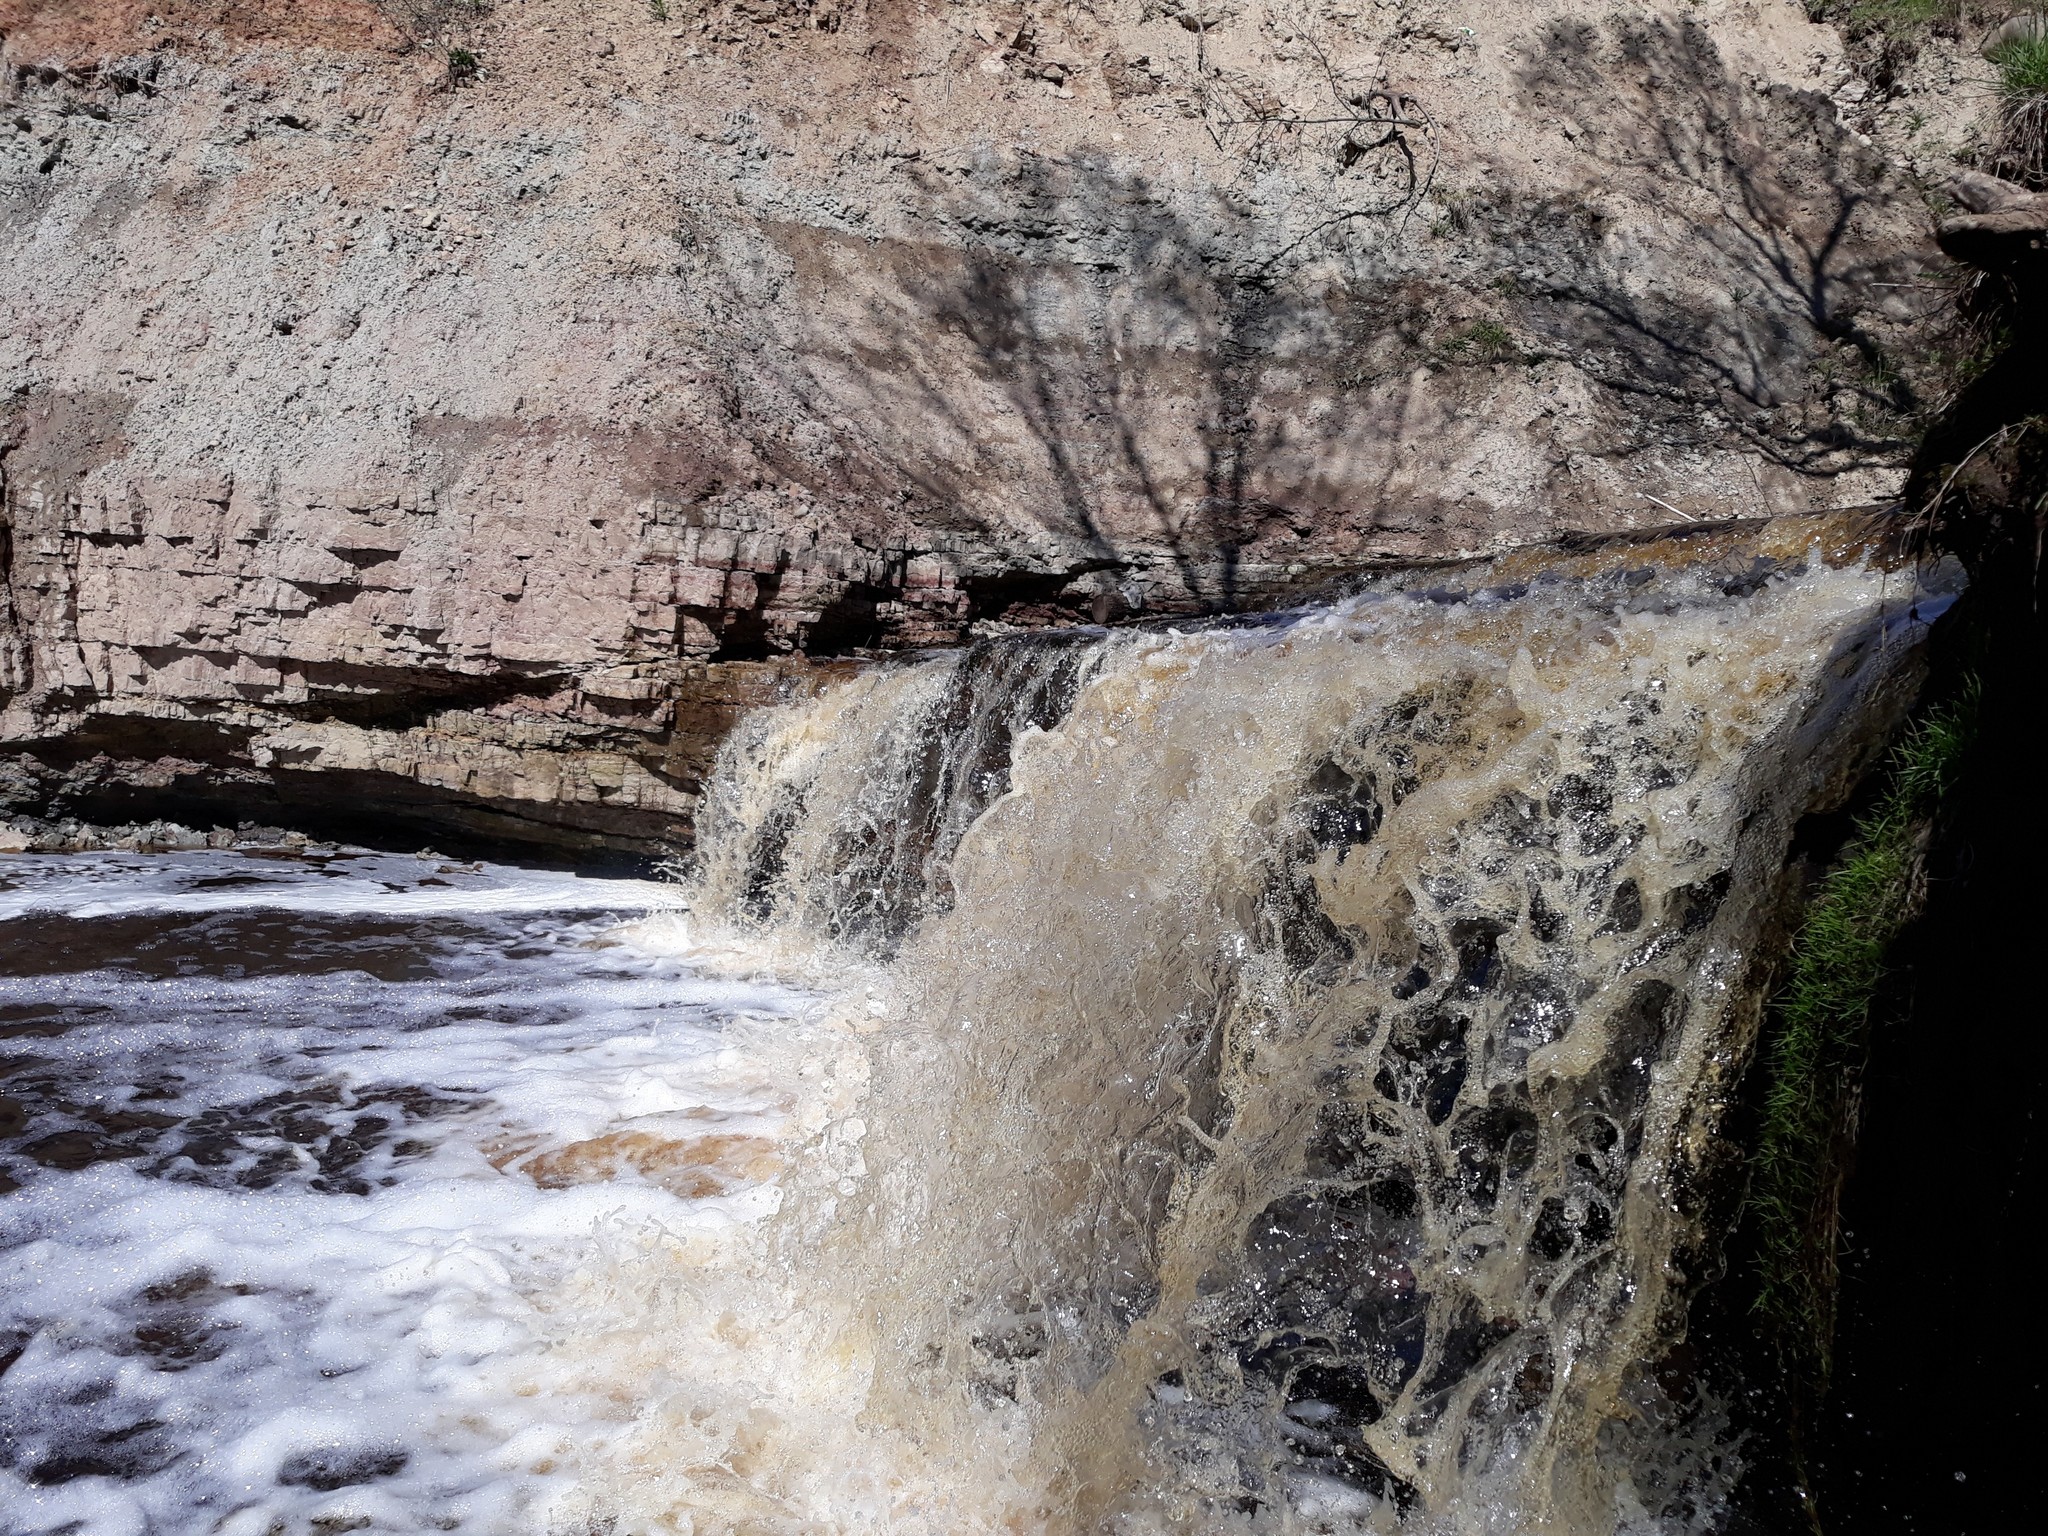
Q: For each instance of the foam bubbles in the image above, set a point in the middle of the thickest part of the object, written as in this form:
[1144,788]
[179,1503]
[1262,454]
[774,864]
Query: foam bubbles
[316,1163]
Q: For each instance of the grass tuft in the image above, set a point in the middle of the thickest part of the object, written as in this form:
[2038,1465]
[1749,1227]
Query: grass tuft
[2023,109]
[1898,15]
[431,20]
[1888,18]
[2023,67]
[1820,1030]
[1484,341]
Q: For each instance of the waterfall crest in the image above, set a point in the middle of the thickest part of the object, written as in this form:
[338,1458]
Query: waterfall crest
[1317,1032]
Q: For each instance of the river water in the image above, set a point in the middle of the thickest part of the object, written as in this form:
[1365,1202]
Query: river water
[321,1167]
[1271,1077]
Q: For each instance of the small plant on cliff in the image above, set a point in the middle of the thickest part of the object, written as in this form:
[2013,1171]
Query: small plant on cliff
[1902,19]
[463,67]
[2023,66]
[1897,14]
[1820,1027]
[1484,341]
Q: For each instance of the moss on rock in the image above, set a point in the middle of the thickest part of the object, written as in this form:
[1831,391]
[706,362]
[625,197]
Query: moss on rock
[1819,1033]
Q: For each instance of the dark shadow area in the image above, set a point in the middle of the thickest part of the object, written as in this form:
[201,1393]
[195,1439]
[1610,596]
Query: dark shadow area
[1939,1405]
[209,784]
[1101,312]
[1199,388]
[1932,1412]
[1774,197]
[388,698]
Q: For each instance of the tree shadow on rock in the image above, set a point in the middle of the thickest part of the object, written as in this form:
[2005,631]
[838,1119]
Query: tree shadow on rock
[1787,226]
[1111,348]
[1086,390]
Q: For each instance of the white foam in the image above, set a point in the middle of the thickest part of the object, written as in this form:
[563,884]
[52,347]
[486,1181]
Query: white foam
[241,1345]
[351,884]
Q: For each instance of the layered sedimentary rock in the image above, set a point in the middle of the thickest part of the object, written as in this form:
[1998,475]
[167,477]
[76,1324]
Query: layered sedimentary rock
[461,412]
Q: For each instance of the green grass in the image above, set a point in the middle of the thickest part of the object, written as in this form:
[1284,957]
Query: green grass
[1897,15]
[1484,341]
[1820,1030]
[2023,67]
[2023,110]
[1893,17]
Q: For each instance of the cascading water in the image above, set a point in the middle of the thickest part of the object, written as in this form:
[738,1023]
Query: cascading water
[1309,1038]
[1267,1077]
[844,817]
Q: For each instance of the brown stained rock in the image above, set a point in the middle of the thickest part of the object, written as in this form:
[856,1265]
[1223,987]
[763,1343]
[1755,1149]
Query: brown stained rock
[1997,240]
[1981,193]
[60,29]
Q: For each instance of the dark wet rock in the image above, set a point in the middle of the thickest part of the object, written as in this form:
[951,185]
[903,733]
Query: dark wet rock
[325,1471]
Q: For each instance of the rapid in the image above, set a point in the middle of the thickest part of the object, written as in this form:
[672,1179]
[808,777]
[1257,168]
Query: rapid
[1262,1075]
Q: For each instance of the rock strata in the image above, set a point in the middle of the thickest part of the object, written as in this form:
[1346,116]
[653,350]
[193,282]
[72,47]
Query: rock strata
[457,415]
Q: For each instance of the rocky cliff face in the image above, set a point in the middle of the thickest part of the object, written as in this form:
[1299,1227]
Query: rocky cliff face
[459,412]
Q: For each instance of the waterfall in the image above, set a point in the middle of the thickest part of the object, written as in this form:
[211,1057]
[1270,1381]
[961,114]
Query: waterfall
[844,816]
[1316,1034]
